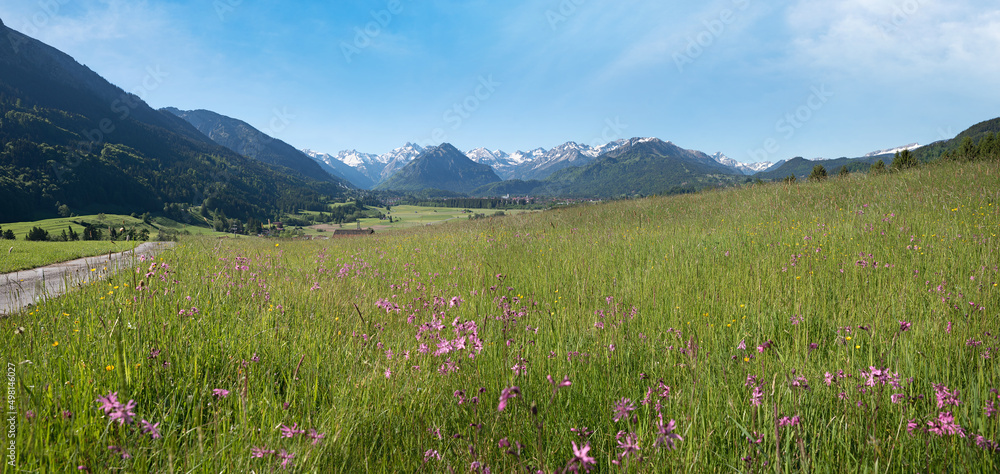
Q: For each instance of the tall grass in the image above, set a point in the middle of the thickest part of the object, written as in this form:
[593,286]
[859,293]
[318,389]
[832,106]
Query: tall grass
[723,312]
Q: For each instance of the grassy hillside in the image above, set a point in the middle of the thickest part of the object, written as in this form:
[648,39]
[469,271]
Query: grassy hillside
[842,325]
[20,254]
[57,225]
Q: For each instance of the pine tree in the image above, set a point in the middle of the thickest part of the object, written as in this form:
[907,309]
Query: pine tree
[37,234]
[818,173]
[967,151]
[987,147]
[904,160]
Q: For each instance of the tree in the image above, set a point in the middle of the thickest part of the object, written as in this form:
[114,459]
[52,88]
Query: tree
[63,210]
[967,151]
[37,234]
[844,171]
[254,227]
[91,232]
[877,167]
[9,235]
[904,160]
[789,179]
[818,173]
[988,147]
[221,224]
[73,235]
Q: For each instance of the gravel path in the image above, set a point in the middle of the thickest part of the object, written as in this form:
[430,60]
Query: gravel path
[21,289]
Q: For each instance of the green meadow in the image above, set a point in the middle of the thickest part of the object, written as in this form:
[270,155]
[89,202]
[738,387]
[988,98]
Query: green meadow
[20,255]
[844,325]
[405,217]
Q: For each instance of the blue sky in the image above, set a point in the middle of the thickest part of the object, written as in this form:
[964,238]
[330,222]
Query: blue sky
[758,81]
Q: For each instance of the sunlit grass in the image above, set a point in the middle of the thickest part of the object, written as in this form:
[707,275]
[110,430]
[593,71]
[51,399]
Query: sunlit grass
[623,299]
[19,254]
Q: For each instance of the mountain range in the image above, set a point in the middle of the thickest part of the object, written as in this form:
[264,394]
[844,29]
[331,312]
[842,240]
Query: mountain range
[642,166]
[246,140]
[536,164]
[69,138]
[627,167]
[371,169]
[443,168]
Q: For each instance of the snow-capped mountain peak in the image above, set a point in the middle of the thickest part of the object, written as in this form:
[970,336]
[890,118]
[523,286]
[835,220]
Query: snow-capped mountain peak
[538,163]
[497,159]
[483,154]
[745,168]
[374,167]
[355,158]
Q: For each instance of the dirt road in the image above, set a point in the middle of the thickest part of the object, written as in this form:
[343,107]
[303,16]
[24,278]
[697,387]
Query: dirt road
[27,287]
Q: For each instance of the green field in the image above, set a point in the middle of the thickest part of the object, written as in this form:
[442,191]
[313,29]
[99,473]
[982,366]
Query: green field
[56,226]
[848,325]
[21,255]
[405,217]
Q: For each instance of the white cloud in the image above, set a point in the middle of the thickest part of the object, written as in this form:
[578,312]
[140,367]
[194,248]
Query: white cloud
[60,22]
[886,39]
[126,42]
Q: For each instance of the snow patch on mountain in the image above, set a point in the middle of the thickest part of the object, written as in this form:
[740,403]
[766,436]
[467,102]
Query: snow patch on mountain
[533,164]
[375,167]
[893,151]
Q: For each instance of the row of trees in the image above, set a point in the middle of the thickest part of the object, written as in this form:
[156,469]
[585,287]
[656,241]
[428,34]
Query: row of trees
[901,161]
[90,232]
[988,148]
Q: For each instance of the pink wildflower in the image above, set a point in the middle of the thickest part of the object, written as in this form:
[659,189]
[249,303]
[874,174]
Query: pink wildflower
[506,394]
